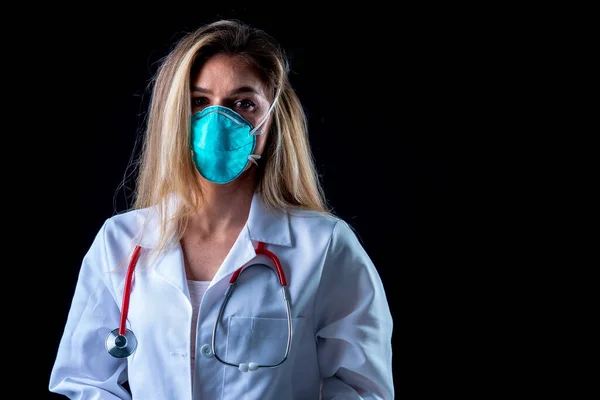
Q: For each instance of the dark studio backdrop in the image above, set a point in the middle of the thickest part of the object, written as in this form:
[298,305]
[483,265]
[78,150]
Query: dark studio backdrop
[373,97]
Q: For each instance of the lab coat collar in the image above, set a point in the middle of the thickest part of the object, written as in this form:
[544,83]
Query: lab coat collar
[264,225]
[270,227]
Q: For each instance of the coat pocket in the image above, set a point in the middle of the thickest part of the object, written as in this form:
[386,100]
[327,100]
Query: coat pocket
[263,341]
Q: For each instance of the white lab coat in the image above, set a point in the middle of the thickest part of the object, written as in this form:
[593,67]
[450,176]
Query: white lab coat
[342,325]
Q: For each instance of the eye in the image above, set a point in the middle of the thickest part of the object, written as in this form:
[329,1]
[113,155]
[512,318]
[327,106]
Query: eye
[199,101]
[245,105]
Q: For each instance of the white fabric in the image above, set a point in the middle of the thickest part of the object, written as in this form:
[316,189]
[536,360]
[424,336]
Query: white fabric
[197,289]
[342,325]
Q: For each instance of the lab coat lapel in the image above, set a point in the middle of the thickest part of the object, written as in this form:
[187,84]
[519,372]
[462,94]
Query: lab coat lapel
[270,227]
[263,225]
[169,265]
[241,252]
[172,268]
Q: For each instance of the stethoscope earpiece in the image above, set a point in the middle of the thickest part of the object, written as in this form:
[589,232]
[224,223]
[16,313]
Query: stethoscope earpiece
[121,346]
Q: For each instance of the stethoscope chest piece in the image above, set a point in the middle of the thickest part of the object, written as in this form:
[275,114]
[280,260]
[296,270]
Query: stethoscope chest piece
[121,346]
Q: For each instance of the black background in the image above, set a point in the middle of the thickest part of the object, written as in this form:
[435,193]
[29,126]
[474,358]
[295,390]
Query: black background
[386,95]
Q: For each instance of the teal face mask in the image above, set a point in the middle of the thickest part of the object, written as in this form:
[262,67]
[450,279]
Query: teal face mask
[222,143]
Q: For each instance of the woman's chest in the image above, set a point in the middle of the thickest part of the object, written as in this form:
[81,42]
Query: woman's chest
[203,258]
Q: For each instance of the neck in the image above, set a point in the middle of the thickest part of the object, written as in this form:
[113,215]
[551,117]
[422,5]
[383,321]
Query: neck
[224,207]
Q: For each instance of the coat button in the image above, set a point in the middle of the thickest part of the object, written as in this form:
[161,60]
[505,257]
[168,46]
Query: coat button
[206,351]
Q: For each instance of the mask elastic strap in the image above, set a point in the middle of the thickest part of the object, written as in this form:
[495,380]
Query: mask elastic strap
[253,157]
[255,131]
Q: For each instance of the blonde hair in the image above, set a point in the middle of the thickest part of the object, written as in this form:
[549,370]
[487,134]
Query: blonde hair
[287,177]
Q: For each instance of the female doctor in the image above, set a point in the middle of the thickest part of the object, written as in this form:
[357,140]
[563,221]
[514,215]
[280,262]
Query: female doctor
[228,278]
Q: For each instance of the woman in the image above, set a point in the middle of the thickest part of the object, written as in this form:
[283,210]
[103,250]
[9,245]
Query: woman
[226,180]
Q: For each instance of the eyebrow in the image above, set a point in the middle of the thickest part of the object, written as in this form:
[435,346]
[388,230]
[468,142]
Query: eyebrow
[242,89]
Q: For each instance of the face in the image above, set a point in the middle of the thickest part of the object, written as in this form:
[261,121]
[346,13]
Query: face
[227,81]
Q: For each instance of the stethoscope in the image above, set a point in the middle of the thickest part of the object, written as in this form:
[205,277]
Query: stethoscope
[121,342]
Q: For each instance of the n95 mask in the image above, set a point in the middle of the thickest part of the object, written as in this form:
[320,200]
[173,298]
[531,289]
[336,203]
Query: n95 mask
[222,143]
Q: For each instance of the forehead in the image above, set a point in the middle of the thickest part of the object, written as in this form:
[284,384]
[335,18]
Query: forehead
[223,72]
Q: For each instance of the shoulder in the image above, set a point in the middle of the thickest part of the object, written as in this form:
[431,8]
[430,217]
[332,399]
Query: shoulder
[126,224]
[313,222]
[122,232]
[331,227]
[115,241]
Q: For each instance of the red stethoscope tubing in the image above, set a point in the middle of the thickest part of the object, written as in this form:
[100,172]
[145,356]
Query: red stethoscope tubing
[127,290]
[136,253]
[261,250]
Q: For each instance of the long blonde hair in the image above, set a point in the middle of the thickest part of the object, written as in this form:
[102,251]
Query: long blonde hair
[287,176]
